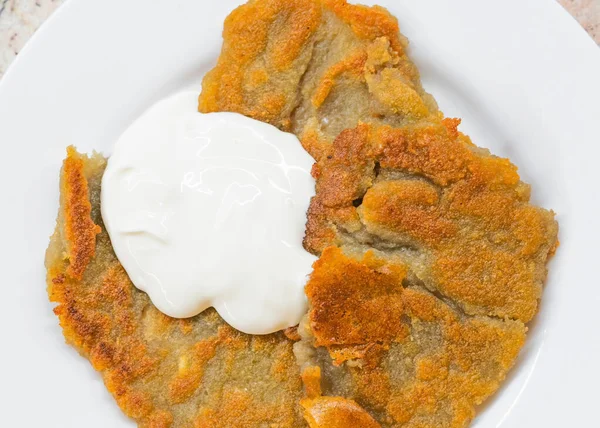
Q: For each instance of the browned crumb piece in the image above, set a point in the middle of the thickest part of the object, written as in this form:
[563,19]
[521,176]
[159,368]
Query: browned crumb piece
[336,412]
[311,378]
[80,231]
[162,372]
[292,333]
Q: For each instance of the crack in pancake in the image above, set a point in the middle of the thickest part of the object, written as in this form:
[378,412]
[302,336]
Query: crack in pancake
[406,356]
[460,216]
[432,259]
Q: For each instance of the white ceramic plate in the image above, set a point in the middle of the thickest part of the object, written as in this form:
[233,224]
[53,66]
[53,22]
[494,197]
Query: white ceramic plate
[521,73]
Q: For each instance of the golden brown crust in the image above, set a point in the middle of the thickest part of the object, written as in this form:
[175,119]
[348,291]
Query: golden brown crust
[161,371]
[191,370]
[435,366]
[311,378]
[158,420]
[427,189]
[80,230]
[366,310]
[336,412]
[292,333]
[274,32]
[315,67]
[354,65]
[239,408]
[368,22]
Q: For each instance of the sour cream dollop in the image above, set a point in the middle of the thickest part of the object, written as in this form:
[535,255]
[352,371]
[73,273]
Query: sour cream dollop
[209,210]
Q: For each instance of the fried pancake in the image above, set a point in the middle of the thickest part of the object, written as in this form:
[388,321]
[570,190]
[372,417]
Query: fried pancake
[163,372]
[406,356]
[431,257]
[315,68]
[459,217]
[431,262]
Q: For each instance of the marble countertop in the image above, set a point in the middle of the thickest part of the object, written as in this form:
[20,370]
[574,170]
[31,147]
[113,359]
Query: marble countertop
[20,18]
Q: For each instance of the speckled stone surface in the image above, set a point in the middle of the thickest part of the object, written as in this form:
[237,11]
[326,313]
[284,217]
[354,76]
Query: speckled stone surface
[587,12]
[19,19]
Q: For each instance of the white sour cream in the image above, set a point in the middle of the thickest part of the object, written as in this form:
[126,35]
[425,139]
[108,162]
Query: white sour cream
[209,210]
